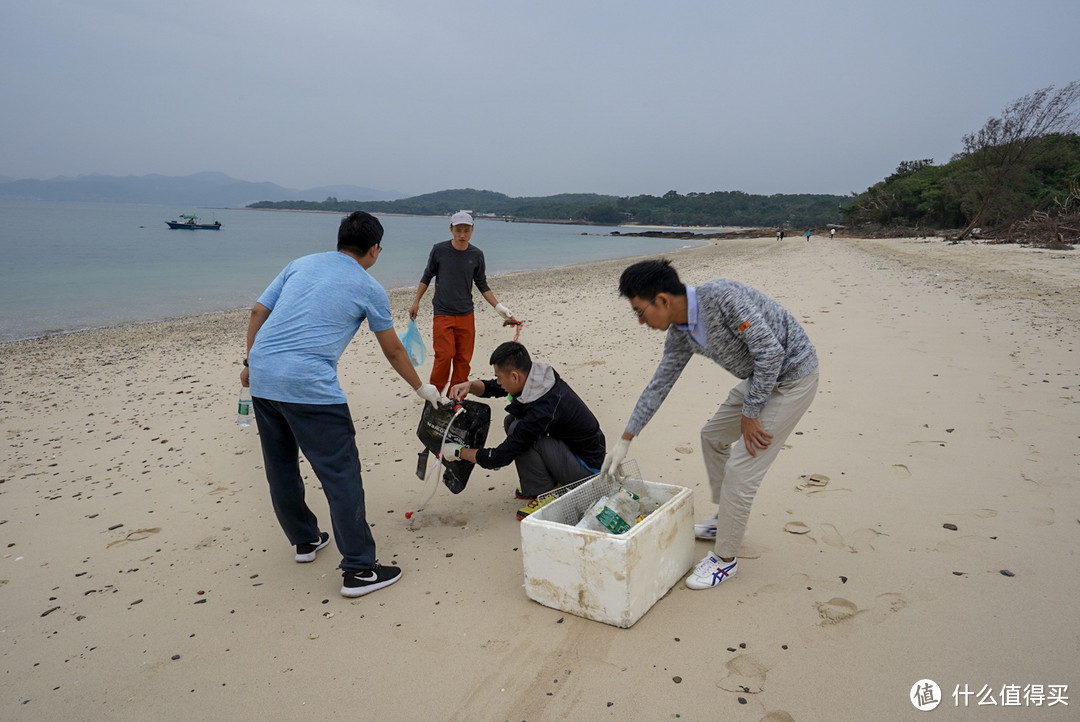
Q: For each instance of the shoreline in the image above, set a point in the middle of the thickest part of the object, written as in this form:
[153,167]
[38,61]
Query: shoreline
[947,256]
[392,292]
[144,571]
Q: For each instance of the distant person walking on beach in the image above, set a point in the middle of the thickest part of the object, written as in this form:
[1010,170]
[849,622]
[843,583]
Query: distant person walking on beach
[832,233]
[778,235]
[755,339]
[807,235]
[457,266]
[781,234]
[297,331]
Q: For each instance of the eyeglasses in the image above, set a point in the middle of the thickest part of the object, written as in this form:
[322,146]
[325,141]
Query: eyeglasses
[640,312]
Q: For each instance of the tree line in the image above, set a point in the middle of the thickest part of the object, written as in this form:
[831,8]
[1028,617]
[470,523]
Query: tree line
[1017,178]
[721,208]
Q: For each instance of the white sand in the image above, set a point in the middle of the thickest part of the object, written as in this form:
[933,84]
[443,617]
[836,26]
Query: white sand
[144,576]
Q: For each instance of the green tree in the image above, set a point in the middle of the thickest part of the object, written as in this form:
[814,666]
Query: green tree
[998,149]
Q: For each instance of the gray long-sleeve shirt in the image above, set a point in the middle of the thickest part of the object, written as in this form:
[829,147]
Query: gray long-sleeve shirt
[749,334]
[456,272]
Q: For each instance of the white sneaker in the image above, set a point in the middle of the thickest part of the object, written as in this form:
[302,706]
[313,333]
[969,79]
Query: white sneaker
[706,529]
[710,571]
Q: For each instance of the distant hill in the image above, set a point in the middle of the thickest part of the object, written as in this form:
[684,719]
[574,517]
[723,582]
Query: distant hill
[720,208]
[200,189]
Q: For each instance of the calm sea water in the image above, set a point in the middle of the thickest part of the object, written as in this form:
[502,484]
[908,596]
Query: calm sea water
[72,266]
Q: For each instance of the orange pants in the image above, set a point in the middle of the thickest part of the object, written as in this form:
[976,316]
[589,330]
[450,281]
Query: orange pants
[453,338]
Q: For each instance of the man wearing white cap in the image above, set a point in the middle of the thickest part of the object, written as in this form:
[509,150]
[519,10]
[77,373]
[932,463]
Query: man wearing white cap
[457,265]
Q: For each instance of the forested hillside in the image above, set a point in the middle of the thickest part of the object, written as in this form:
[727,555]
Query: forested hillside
[722,208]
[929,197]
[1017,179]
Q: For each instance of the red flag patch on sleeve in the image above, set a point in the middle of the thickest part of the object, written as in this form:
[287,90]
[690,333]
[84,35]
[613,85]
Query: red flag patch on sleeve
[744,325]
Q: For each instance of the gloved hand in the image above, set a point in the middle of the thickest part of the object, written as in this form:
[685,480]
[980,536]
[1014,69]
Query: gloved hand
[450,452]
[429,393]
[503,311]
[614,458]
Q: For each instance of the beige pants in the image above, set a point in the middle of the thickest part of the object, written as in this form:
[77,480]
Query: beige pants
[735,475]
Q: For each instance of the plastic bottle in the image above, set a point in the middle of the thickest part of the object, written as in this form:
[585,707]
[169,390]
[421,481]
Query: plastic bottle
[621,511]
[243,408]
[589,520]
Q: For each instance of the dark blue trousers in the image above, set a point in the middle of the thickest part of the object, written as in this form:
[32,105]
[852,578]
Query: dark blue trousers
[326,435]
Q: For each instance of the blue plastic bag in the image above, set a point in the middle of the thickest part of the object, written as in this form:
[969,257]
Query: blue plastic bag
[414,344]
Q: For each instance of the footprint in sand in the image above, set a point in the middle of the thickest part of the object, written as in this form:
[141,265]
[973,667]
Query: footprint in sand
[900,471]
[1041,517]
[961,543]
[811,481]
[836,610]
[840,611]
[745,674]
[796,527]
[1005,432]
[798,580]
[218,491]
[831,536]
[861,540]
[973,514]
[778,716]
[136,535]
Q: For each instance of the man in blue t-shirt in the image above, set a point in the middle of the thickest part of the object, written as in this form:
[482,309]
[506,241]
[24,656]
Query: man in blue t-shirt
[297,331]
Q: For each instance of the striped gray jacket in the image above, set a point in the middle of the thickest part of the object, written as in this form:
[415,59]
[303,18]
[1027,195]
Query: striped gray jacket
[749,334]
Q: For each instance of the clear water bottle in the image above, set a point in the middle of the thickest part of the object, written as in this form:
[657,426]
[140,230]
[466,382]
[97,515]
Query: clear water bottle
[621,511]
[243,408]
[589,519]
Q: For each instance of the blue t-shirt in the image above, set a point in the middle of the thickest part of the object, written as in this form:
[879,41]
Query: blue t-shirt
[316,306]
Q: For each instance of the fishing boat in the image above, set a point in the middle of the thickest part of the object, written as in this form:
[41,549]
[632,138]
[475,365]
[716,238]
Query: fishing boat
[191,223]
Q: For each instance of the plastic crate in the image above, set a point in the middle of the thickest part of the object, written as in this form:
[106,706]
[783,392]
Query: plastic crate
[610,578]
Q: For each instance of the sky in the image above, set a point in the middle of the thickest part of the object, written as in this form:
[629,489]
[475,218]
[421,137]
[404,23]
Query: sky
[523,98]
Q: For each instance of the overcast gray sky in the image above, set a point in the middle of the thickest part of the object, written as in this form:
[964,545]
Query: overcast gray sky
[524,98]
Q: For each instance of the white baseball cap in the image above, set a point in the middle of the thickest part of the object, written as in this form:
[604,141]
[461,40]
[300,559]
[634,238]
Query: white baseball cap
[461,217]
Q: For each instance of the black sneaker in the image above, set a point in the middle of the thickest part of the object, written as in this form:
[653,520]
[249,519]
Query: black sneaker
[306,552]
[357,584]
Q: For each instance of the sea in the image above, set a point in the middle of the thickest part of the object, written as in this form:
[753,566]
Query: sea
[67,267]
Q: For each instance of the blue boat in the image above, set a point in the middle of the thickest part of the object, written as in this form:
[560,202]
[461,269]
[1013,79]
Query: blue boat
[191,223]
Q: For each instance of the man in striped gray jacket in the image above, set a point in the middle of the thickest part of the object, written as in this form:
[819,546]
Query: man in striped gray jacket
[755,339]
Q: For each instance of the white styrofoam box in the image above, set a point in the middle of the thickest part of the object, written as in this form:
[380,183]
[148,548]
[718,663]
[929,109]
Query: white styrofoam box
[611,578]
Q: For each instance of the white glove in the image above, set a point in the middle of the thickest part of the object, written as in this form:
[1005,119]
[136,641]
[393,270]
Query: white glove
[614,458]
[450,452]
[503,311]
[429,393]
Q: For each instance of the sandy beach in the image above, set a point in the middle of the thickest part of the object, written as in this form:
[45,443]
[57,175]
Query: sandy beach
[144,576]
